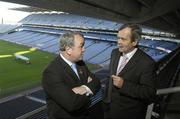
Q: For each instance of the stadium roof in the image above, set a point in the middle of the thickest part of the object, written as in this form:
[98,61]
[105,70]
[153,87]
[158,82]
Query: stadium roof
[29,9]
[161,14]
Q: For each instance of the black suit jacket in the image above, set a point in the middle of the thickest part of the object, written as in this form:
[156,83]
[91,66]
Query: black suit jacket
[58,81]
[138,90]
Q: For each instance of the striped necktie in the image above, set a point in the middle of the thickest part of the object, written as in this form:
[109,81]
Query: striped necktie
[122,64]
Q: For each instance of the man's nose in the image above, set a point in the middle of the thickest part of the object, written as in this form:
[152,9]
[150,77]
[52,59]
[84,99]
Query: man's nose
[119,41]
[83,49]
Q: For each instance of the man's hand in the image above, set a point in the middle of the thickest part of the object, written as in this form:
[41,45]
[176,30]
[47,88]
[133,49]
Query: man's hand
[79,90]
[89,79]
[117,81]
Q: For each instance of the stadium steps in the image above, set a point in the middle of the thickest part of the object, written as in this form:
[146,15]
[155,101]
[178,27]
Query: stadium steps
[17,105]
[2,100]
[15,108]
[41,115]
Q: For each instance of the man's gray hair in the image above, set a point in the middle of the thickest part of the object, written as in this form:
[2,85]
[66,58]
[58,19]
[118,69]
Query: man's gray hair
[67,40]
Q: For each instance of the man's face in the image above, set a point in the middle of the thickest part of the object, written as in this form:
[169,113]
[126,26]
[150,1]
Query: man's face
[77,51]
[125,42]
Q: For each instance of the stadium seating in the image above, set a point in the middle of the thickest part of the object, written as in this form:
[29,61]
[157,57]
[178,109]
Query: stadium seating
[67,20]
[43,31]
[99,45]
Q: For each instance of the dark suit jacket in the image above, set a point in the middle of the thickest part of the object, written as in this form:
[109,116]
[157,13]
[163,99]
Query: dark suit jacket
[138,90]
[58,81]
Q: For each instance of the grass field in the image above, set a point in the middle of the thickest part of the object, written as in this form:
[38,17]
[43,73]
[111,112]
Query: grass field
[17,76]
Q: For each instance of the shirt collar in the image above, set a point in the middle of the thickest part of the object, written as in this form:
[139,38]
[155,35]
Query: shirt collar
[67,61]
[130,54]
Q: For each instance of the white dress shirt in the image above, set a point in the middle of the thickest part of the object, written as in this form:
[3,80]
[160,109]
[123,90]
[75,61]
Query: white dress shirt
[88,91]
[128,57]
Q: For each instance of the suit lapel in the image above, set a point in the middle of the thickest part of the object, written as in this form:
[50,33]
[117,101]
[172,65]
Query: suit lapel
[115,62]
[131,64]
[68,69]
[113,66]
[80,73]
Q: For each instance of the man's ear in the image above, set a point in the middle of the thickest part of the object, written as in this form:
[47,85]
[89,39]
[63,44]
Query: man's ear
[134,43]
[68,50]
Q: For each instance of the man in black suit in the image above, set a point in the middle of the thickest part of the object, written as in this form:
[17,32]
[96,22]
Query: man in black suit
[132,77]
[67,81]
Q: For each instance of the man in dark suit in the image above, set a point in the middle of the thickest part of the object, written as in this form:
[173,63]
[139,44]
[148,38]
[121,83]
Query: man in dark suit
[67,81]
[132,77]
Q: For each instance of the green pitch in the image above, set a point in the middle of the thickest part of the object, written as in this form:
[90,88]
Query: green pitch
[15,75]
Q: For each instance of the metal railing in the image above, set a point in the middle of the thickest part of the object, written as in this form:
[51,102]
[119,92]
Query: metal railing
[165,91]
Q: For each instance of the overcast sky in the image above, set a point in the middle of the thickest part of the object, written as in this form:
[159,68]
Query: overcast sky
[11,16]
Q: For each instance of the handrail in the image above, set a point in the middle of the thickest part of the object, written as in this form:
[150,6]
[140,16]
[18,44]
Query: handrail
[32,112]
[168,90]
[164,91]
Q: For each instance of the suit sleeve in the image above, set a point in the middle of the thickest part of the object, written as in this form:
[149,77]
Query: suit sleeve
[62,95]
[94,85]
[145,89]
